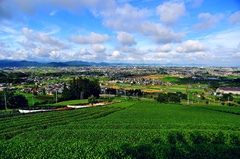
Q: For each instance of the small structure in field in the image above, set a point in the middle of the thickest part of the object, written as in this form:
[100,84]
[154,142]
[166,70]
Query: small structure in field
[227,90]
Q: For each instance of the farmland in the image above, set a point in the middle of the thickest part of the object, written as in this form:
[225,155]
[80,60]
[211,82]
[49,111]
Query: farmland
[127,129]
[152,112]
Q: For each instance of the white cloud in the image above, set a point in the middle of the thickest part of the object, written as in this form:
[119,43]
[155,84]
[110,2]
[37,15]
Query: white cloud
[43,51]
[54,55]
[131,19]
[221,50]
[10,9]
[30,7]
[169,12]
[237,55]
[98,48]
[235,18]
[191,46]
[5,54]
[126,38]
[94,38]
[27,44]
[8,29]
[116,54]
[156,58]
[84,51]
[229,38]
[200,55]
[160,34]
[127,49]
[161,55]
[125,17]
[4,45]
[208,21]
[163,48]
[42,38]
[131,50]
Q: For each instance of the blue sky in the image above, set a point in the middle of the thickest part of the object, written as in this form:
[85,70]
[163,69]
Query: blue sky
[129,31]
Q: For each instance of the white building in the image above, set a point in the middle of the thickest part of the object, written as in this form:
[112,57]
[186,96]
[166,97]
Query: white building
[227,90]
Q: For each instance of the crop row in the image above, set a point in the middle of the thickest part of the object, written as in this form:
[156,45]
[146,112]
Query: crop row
[108,143]
[20,124]
[145,129]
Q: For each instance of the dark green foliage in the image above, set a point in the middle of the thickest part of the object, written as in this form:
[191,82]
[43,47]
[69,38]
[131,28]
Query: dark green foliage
[214,85]
[162,98]
[92,99]
[169,97]
[12,101]
[178,146]
[182,95]
[128,129]
[18,101]
[81,88]
[111,91]
[105,99]
[13,77]
[134,92]
[227,97]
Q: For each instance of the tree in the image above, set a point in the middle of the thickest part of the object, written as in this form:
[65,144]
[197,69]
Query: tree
[13,101]
[44,91]
[81,87]
[214,85]
[162,98]
[92,99]
[173,97]
[227,97]
[20,101]
[65,93]
[169,97]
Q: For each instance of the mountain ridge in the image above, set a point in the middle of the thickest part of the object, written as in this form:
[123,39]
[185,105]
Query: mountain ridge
[25,63]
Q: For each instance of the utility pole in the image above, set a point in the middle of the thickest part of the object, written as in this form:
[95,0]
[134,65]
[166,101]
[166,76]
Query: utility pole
[5,99]
[56,96]
[187,95]
[33,100]
[192,97]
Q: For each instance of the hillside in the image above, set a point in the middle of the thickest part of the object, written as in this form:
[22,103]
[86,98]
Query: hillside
[12,63]
[129,129]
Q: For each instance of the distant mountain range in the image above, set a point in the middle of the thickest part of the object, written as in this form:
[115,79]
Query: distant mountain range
[13,63]
[24,63]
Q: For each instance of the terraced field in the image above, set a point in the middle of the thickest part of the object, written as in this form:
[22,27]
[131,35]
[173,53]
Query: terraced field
[130,129]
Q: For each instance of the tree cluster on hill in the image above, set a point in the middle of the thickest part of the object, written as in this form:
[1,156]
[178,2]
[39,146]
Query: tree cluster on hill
[12,101]
[13,77]
[171,97]
[131,92]
[227,97]
[134,92]
[81,88]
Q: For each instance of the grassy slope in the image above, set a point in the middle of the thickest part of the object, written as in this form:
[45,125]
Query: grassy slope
[129,129]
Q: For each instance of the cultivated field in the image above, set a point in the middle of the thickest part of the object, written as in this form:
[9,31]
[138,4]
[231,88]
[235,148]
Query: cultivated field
[129,129]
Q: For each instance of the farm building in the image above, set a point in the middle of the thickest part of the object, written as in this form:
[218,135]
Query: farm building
[227,90]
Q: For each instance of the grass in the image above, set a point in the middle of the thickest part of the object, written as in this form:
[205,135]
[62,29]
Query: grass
[69,102]
[31,98]
[128,129]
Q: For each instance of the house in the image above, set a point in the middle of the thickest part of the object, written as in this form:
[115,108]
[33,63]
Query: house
[227,90]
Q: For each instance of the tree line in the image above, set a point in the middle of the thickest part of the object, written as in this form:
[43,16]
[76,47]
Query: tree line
[11,100]
[81,88]
[171,97]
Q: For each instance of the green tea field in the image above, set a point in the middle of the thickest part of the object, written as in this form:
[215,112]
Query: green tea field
[128,129]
